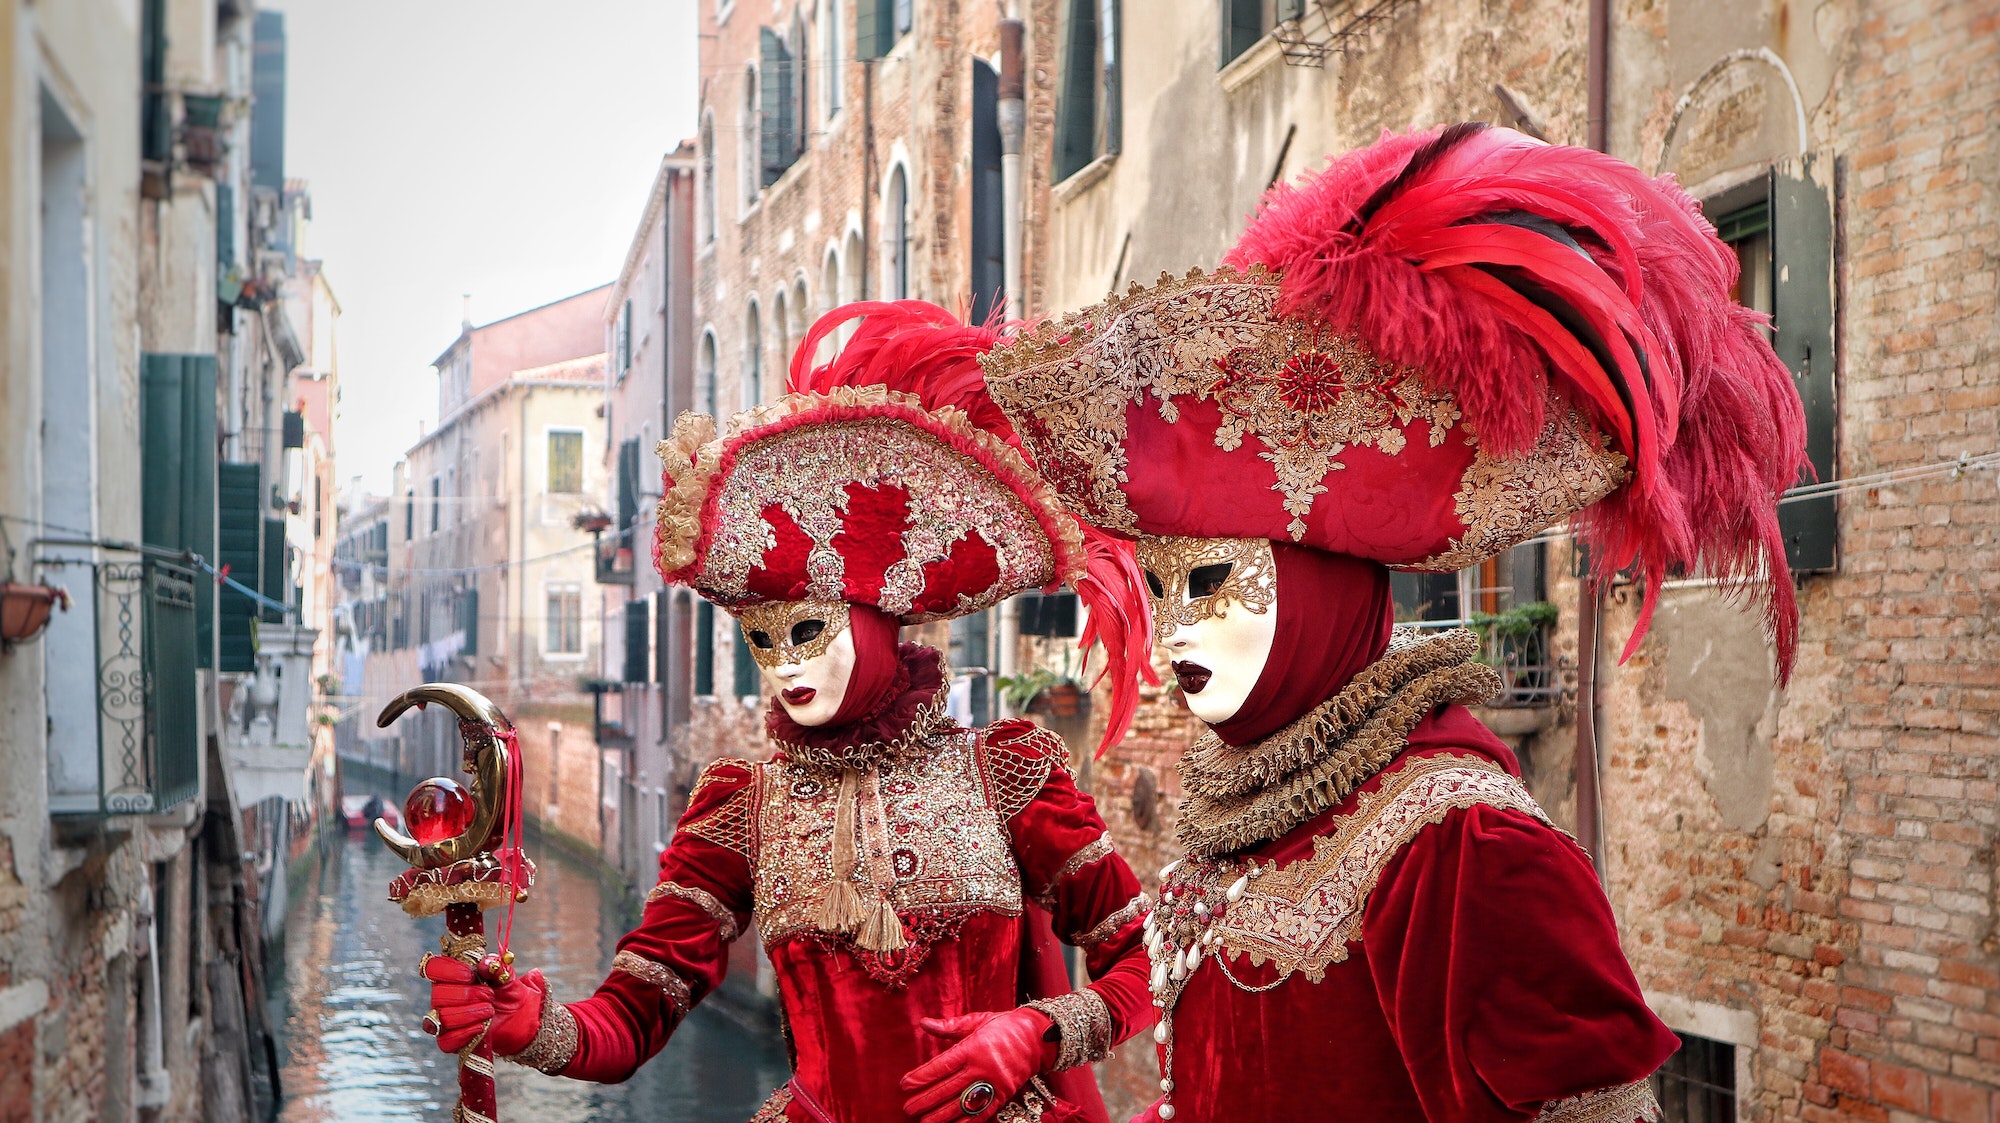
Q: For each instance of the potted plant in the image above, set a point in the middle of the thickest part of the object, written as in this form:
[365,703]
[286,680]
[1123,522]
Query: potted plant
[1043,691]
[25,609]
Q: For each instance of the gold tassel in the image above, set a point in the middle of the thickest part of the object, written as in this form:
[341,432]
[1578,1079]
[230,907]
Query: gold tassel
[840,912]
[883,930]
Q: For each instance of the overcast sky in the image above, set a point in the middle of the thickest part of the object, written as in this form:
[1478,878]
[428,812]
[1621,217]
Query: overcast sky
[501,148]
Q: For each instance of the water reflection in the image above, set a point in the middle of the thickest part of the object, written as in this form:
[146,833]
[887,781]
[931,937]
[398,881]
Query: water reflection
[348,1000]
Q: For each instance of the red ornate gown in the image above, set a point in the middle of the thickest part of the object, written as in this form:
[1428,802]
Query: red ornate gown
[1388,928]
[962,827]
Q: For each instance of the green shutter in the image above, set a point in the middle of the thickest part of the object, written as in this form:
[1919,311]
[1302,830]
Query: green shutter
[1802,297]
[774,103]
[468,618]
[271,572]
[638,633]
[1076,100]
[239,530]
[870,32]
[177,504]
[225,226]
[704,649]
[745,666]
[1291,10]
[171,698]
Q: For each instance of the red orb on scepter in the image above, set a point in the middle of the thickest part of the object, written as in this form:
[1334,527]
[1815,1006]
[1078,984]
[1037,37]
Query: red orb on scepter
[438,809]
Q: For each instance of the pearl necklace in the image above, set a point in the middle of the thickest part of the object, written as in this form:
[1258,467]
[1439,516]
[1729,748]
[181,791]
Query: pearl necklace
[1180,936]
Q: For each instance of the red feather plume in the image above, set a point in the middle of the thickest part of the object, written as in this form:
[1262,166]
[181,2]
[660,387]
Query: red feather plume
[1502,266]
[918,348]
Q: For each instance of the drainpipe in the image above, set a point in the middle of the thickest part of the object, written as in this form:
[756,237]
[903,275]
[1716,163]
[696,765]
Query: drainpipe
[1012,111]
[1590,593]
[867,169]
[1599,76]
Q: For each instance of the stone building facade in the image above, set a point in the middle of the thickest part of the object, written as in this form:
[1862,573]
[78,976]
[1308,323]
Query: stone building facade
[1804,877]
[144,238]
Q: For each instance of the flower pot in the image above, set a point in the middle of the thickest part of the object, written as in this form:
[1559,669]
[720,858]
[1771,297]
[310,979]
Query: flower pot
[25,609]
[1064,699]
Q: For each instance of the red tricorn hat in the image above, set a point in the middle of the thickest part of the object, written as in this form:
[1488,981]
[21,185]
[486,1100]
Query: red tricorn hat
[887,478]
[1426,353]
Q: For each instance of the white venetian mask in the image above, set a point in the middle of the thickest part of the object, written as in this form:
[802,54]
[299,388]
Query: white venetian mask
[805,650]
[1215,603]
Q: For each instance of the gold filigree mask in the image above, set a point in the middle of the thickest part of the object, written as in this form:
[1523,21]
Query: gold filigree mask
[786,632]
[1196,579]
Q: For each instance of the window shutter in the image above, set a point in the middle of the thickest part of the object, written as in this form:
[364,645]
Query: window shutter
[663,637]
[774,96]
[745,666]
[1801,210]
[1076,103]
[704,649]
[271,572]
[239,527]
[1291,10]
[225,226]
[638,635]
[177,438]
[628,487]
[867,29]
[468,618]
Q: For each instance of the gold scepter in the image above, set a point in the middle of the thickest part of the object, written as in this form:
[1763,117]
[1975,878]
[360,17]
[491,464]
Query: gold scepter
[466,857]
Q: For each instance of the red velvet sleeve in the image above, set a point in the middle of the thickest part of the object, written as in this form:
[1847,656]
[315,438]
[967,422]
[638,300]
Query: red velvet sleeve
[1496,958]
[1068,865]
[680,950]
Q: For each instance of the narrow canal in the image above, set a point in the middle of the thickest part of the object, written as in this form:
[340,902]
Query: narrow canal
[347,1001]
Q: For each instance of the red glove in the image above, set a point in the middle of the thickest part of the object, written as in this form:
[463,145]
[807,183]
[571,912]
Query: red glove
[1004,1050]
[466,1005]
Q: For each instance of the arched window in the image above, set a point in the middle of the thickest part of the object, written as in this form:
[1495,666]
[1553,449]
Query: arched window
[801,311]
[896,236]
[850,259]
[781,329]
[829,281]
[707,201]
[704,376]
[752,142]
[753,358]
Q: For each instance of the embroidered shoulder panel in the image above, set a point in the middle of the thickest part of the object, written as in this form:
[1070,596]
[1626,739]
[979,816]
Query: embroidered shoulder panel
[1302,917]
[732,823]
[1627,1103]
[927,834]
[1017,764]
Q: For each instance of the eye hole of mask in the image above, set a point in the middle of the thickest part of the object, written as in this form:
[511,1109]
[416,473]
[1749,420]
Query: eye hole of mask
[1206,580]
[806,631]
[1153,583]
[761,639]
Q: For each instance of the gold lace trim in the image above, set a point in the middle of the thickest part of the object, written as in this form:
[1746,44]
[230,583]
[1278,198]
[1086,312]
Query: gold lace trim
[1240,796]
[773,1110]
[1302,917]
[1083,1027]
[725,921]
[1504,499]
[1113,924]
[1096,850]
[1627,1103]
[555,1041]
[951,495]
[1016,775]
[658,974]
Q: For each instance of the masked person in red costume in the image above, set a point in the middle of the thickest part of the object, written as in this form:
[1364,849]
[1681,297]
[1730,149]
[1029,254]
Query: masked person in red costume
[1421,356]
[903,872]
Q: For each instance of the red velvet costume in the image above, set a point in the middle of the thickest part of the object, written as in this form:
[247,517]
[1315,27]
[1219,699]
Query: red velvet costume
[1421,356]
[896,867]
[972,827]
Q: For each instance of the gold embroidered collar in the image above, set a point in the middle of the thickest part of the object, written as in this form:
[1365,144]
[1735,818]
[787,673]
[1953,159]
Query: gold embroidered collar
[1239,796]
[929,720]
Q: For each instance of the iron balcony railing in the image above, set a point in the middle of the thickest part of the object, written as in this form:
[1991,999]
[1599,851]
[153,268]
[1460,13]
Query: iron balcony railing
[149,746]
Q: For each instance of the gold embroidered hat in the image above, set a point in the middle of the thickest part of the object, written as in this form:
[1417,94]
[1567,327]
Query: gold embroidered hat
[1428,352]
[858,495]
